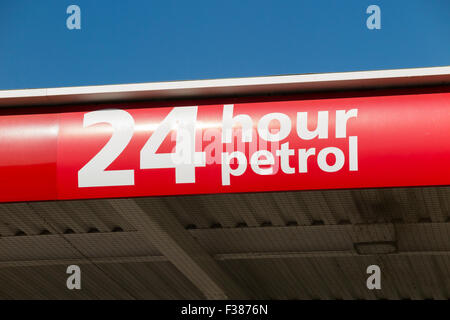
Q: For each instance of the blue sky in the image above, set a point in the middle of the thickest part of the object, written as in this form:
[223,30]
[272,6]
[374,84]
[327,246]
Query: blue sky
[144,41]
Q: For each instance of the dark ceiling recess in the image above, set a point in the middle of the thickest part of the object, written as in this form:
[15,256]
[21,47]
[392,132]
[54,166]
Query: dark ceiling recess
[280,245]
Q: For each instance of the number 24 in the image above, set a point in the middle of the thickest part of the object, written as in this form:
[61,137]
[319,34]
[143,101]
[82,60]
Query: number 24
[185,159]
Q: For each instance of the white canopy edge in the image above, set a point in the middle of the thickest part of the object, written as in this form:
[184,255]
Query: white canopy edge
[194,89]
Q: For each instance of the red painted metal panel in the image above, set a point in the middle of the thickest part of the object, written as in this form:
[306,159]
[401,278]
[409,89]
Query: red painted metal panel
[367,140]
[28,157]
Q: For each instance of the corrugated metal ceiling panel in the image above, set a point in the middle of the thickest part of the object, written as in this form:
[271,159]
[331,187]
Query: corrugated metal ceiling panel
[282,245]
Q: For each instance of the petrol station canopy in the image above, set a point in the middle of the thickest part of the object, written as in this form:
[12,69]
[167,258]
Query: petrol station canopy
[288,187]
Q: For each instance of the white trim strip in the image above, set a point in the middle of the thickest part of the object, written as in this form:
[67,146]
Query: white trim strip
[226,87]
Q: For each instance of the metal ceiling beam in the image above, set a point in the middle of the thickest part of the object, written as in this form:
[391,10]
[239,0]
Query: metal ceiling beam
[227,243]
[161,229]
[218,257]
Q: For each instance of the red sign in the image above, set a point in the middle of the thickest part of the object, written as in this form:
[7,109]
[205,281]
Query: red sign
[304,144]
